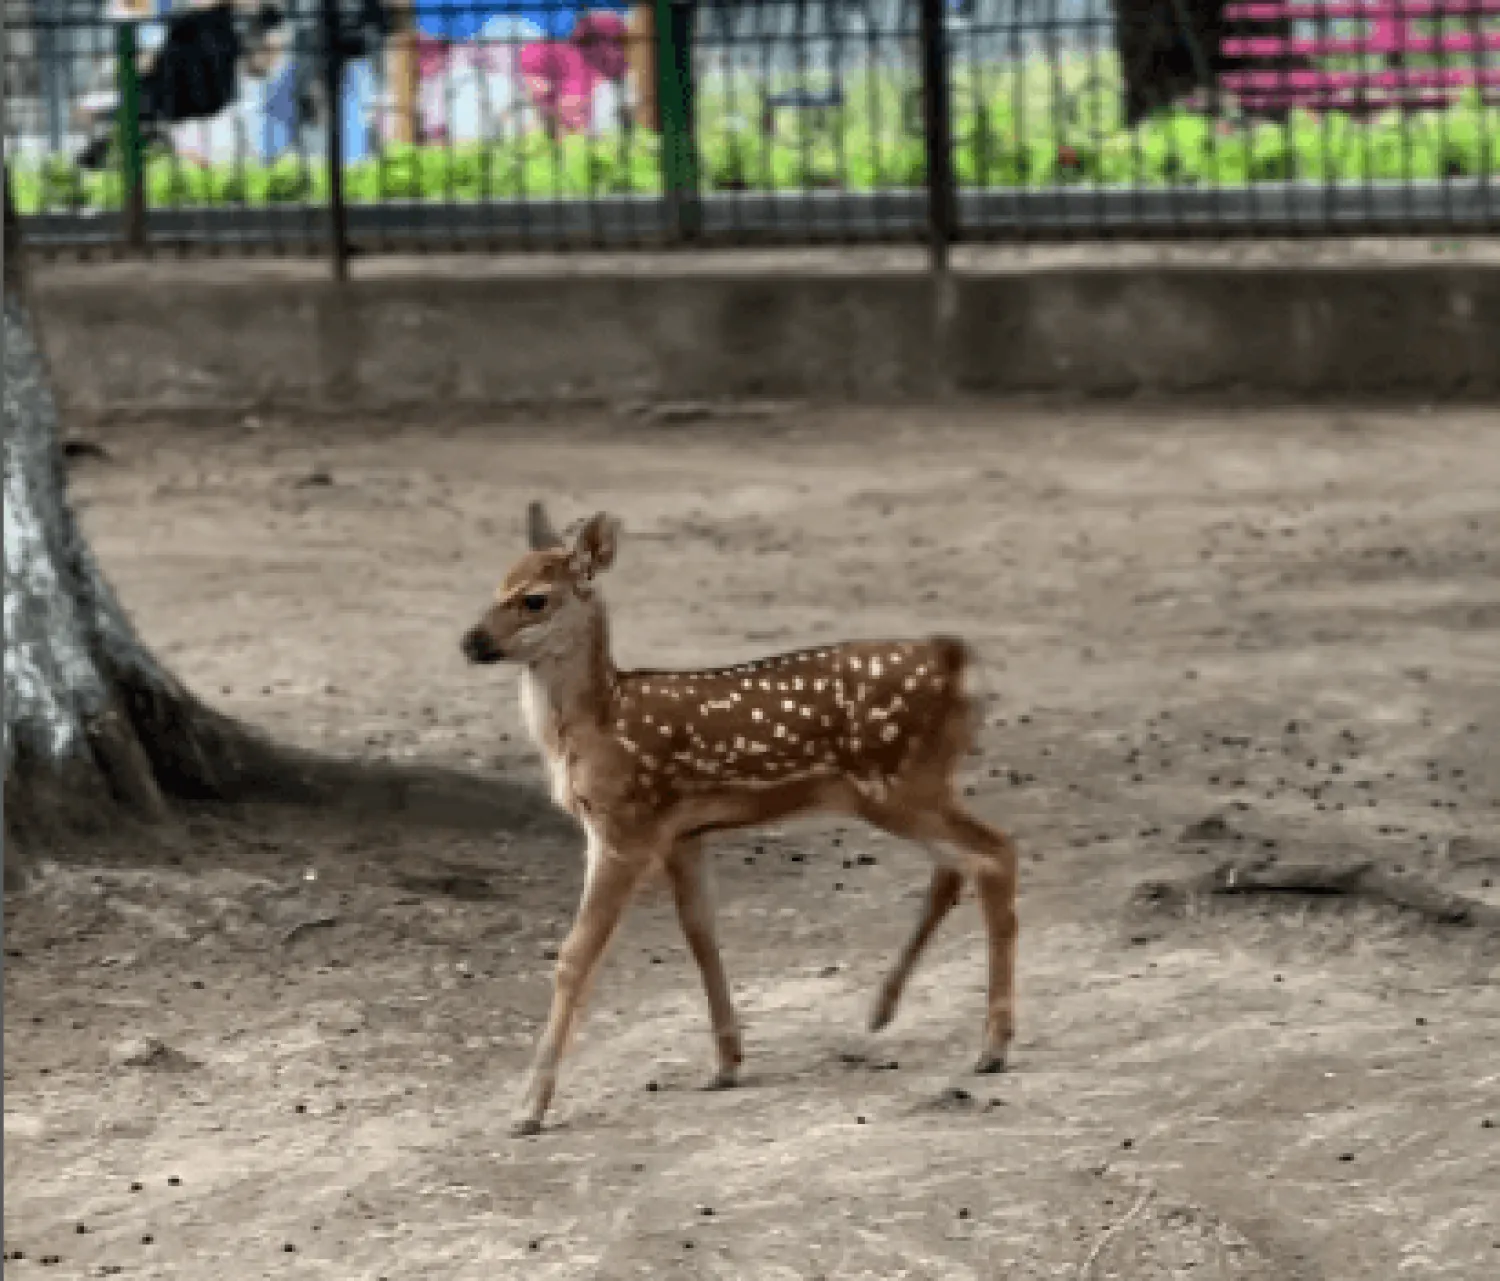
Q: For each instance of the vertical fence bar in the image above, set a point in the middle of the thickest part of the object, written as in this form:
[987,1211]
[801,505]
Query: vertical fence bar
[679,150]
[128,126]
[14,277]
[937,111]
[333,89]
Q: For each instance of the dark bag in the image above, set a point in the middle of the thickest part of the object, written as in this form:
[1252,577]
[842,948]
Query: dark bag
[195,75]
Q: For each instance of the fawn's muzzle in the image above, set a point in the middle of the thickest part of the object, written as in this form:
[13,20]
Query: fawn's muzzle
[479,648]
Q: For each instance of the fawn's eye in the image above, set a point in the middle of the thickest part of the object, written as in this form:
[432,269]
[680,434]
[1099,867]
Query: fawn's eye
[534,602]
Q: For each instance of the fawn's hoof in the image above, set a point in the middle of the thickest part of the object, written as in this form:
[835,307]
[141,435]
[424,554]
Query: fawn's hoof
[990,1061]
[882,1014]
[724,1079]
[526,1127]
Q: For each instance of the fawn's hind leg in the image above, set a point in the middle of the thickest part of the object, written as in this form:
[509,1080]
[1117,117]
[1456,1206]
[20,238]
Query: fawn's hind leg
[692,890]
[995,875]
[992,858]
[943,891]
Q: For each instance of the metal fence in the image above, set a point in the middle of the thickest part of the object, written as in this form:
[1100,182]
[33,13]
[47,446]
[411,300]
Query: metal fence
[360,125]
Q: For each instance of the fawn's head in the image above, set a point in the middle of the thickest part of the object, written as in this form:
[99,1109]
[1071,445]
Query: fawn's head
[547,602]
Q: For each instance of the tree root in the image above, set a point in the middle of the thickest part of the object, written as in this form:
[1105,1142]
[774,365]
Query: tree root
[198,754]
[1358,881]
[161,745]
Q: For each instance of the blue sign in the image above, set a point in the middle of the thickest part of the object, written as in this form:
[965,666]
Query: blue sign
[455,20]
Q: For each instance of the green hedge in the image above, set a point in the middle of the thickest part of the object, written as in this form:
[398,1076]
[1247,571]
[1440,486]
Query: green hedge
[856,148]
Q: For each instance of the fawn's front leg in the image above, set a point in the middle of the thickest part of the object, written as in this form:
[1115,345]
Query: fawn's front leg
[693,891]
[612,878]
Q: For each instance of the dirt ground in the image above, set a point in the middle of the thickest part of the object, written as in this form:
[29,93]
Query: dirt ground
[278,1044]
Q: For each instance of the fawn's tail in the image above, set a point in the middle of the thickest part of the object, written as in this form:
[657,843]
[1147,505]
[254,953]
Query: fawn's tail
[959,663]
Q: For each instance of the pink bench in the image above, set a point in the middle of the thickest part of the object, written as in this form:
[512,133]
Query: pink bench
[1391,30]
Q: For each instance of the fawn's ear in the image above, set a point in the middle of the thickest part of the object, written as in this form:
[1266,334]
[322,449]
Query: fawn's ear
[596,544]
[539,531]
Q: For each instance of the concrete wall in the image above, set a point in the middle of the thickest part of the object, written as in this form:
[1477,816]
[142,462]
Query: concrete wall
[427,332]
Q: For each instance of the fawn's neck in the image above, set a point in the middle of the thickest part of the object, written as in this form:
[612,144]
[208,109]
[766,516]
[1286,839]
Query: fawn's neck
[575,684]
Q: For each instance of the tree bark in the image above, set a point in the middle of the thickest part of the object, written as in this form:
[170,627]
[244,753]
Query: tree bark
[94,727]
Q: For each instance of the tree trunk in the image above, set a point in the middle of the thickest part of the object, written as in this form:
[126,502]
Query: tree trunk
[94,726]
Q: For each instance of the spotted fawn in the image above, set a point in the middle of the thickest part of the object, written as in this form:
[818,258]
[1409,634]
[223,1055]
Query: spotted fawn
[650,762]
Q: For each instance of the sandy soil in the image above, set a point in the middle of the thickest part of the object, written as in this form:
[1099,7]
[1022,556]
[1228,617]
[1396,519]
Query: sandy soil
[271,1045]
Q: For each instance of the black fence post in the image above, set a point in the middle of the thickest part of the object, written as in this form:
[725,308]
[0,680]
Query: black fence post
[13,267]
[679,126]
[128,134]
[937,105]
[333,89]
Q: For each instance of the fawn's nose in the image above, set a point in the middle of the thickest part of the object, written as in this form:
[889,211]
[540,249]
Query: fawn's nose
[479,648]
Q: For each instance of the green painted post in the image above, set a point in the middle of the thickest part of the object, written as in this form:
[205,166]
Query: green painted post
[128,120]
[679,152]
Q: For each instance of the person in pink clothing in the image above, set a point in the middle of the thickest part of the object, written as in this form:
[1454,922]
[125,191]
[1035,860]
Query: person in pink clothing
[562,75]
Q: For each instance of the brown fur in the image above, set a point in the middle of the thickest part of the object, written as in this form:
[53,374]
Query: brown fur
[651,761]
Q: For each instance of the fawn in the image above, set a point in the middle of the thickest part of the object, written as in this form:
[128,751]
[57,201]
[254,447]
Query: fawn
[649,762]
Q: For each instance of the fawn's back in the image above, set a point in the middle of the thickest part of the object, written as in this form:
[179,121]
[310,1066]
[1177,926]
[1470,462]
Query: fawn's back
[874,714]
